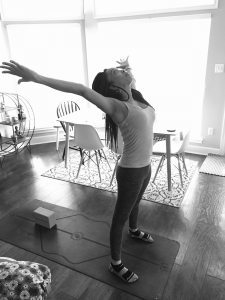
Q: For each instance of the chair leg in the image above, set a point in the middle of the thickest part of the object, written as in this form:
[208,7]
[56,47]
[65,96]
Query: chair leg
[81,161]
[159,165]
[81,155]
[184,164]
[57,139]
[106,160]
[178,158]
[63,156]
[96,154]
[89,159]
[114,171]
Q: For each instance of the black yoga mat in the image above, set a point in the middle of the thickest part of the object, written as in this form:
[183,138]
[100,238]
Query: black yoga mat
[81,242]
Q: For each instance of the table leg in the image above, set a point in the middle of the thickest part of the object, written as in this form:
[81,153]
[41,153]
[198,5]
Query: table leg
[168,156]
[57,139]
[67,144]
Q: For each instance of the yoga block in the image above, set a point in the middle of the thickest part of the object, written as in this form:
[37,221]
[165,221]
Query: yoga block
[44,217]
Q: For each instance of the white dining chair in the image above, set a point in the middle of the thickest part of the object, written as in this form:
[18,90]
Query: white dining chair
[88,140]
[63,109]
[178,148]
[118,152]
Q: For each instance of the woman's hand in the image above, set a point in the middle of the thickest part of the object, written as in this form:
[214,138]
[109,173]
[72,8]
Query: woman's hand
[18,70]
[123,63]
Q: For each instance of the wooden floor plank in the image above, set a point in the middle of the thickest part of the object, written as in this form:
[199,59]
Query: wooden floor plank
[59,295]
[192,273]
[213,289]
[170,284]
[217,261]
[4,248]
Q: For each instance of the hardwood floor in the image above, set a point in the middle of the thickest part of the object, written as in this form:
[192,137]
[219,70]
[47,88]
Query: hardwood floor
[198,225]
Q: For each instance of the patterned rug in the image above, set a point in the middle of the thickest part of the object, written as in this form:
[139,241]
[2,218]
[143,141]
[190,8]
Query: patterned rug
[214,165]
[155,192]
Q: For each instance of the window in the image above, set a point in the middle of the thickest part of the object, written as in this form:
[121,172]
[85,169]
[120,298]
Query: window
[104,8]
[168,57]
[41,9]
[168,54]
[52,50]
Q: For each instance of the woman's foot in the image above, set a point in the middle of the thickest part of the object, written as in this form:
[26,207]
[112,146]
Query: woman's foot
[123,273]
[140,235]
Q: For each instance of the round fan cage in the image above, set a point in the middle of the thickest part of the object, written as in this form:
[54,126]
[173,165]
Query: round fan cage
[22,123]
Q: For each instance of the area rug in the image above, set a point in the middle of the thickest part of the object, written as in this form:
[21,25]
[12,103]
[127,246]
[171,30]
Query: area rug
[156,192]
[214,165]
[81,242]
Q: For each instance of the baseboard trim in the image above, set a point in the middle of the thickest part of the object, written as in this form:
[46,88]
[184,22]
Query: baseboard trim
[202,150]
[46,135]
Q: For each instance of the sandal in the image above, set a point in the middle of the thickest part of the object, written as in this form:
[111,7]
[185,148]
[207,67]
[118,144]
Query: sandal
[123,273]
[141,235]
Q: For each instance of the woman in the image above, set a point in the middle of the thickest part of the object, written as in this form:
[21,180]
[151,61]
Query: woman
[113,92]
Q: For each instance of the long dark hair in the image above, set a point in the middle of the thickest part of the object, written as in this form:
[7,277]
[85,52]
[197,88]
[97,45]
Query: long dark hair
[102,86]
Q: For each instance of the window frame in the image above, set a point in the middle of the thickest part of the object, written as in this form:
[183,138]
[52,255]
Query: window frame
[154,13]
[37,21]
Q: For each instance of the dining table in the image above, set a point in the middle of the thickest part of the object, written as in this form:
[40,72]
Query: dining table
[88,118]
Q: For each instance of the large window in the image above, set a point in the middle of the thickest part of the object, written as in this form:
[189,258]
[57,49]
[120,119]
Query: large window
[41,9]
[168,57]
[74,39]
[53,50]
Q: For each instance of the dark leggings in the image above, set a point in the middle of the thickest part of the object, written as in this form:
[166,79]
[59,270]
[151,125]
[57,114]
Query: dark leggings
[131,183]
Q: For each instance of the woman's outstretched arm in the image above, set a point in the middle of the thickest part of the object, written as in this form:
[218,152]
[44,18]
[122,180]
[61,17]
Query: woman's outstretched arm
[108,105]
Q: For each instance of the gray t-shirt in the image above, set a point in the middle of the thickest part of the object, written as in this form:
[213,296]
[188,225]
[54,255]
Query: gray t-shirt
[137,134]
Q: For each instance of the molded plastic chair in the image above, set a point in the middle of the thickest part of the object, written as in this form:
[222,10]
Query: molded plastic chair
[178,148]
[65,108]
[118,151]
[88,140]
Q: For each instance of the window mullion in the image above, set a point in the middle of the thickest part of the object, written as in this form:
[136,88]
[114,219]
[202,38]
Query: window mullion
[8,55]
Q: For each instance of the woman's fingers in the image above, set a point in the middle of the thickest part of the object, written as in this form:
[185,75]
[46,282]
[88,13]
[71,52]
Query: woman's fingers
[10,69]
[15,63]
[8,64]
[5,67]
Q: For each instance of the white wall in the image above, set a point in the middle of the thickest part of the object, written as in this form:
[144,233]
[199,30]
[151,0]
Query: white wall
[214,98]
